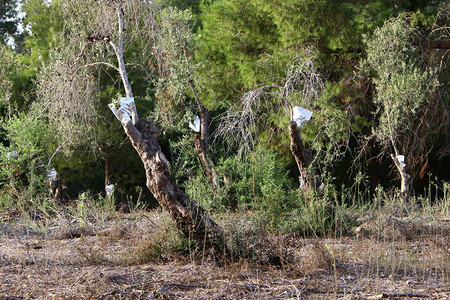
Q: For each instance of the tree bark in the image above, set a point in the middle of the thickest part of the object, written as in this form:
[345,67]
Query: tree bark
[208,167]
[302,157]
[201,142]
[404,176]
[107,166]
[189,217]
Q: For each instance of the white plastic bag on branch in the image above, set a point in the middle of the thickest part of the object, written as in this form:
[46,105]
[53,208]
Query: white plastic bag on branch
[401,160]
[196,125]
[109,189]
[125,110]
[301,115]
[51,175]
[11,155]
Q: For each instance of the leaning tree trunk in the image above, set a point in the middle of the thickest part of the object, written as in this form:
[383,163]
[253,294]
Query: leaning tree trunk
[308,180]
[189,217]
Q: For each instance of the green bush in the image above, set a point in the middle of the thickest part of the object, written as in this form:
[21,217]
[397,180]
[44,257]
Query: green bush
[259,183]
[23,163]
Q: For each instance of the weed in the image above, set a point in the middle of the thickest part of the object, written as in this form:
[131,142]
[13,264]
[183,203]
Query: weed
[166,244]
[92,256]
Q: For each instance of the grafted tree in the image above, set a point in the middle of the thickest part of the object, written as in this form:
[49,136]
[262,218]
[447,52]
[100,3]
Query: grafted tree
[254,110]
[201,141]
[410,107]
[102,35]
[176,69]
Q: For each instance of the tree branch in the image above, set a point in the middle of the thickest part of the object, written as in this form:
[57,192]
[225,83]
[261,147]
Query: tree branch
[122,69]
[433,44]
[100,63]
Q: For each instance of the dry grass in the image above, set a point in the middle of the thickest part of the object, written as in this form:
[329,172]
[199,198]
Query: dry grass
[140,256]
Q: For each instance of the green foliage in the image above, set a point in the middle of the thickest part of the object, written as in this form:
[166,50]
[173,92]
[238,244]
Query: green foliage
[246,43]
[273,194]
[332,25]
[14,83]
[9,20]
[45,27]
[235,39]
[402,85]
[24,161]
[260,183]
[198,188]
[7,59]
[30,53]
[313,217]
[192,5]
[173,53]
[261,187]
[404,88]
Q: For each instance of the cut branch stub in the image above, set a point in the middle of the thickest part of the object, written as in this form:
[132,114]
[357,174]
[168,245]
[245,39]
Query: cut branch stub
[399,162]
[127,110]
[109,189]
[196,125]
[301,115]
[302,157]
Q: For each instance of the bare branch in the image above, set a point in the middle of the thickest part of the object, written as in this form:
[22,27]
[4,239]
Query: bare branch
[57,150]
[242,121]
[238,125]
[100,63]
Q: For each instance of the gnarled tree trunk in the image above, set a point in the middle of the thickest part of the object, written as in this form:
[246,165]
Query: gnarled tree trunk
[189,217]
[208,167]
[308,180]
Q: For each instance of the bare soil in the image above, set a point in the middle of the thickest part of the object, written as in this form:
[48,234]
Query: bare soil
[95,260]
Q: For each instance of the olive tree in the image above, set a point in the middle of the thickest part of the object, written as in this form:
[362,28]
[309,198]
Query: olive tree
[176,67]
[95,38]
[257,108]
[406,97]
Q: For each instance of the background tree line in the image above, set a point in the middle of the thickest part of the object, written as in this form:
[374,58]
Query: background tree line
[380,90]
